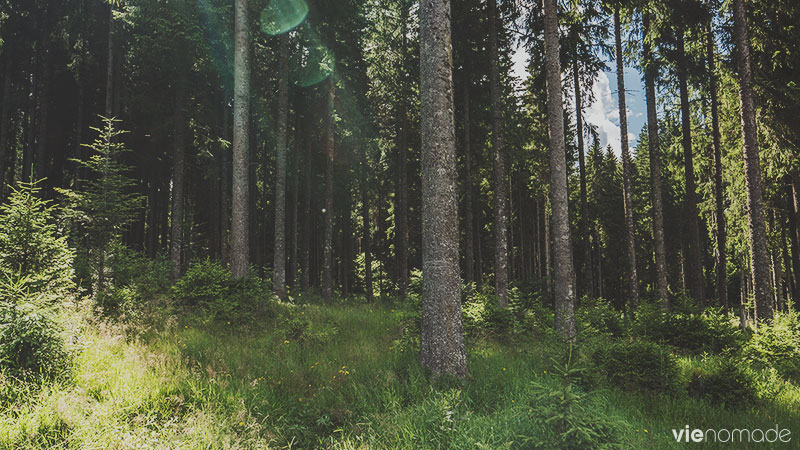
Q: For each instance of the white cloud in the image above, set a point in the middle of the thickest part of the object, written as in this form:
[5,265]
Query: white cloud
[604,114]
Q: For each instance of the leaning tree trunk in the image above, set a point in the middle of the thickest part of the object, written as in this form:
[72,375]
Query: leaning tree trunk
[655,169]
[563,281]
[755,206]
[176,222]
[694,270]
[719,213]
[586,262]
[499,201]
[279,255]
[633,280]
[327,257]
[240,242]
[442,349]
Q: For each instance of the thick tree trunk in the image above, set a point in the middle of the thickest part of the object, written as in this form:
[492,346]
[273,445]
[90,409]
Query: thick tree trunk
[240,247]
[469,225]
[586,262]
[655,169]
[279,255]
[694,266]
[630,244]
[176,222]
[719,206]
[442,336]
[327,257]
[499,200]
[755,205]
[562,245]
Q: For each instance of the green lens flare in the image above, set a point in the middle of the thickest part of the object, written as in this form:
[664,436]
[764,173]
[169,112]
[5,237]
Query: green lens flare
[281,16]
[314,64]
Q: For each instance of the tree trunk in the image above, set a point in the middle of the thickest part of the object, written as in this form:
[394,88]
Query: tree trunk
[292,279]
[442,337]
[327,257]
[719,213]
[499,200]
[630,234]
[562,245]
[5,123]
[109,110]
[240,244]
[366,243]
[694,267]
[586,267]
[469,220]
[305,264]
[655,169]
[755,205]
[793,199]
[279,255]
[176,222]
[401,208]
[41,168]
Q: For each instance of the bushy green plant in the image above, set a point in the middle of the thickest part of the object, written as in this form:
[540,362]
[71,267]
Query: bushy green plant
[777,345]
[30,244]
[710,331]
[565,413]
[638,365]
[724,382]
[30,343]
[484,315]
[148,277]
[295,326]
[597,316]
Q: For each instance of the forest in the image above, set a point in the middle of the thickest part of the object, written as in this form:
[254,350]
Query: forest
[399,224]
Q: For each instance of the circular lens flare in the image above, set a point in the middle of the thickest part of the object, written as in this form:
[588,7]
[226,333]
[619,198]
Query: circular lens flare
[281,16]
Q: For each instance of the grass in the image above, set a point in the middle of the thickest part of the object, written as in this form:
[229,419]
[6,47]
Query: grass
[339,377]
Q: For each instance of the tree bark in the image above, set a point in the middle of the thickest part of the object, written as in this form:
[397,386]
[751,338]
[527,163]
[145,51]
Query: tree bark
[499,200]
[630,245]
[401,195]
[650,73]
[5,123]
[327,257]
[755,206]
[564,288]
[721,257]
[176,222]
[279,255]
[30,135]
[41,168]
[793,199]
[109,106]
[366,242]
[586,263]
[694,269]
[305,264]
[442,337]
[469,225]
[240,246]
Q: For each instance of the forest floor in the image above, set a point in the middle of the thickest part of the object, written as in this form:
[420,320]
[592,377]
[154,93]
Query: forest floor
[341,377]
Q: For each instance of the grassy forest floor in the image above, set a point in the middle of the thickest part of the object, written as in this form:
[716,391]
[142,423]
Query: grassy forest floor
[345,376]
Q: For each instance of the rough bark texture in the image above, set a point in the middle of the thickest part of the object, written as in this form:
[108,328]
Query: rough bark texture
[305,263]
[176,222]
[694,269]
[240,247]
[759,271]
[499,200]
[563,281]
[793,199]
[279,255]
[469,226]
[110,63]
[442,337]
[327,257]
[366,242]
[401,194]
[720,254]
[5,123]
[586,263]
[42,166]
[630,234]
[655,170]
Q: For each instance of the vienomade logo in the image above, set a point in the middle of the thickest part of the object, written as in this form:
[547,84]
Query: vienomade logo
[735,435]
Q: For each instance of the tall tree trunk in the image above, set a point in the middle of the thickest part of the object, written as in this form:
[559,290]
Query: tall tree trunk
[109,109]
[327,257]
[755,205]
[633,279]
[442,336]
[240,243]
[42,165]
[279,255]
[305,264]
[295,230]
[366,243]
[499,201]
[225,189]
[469,227]
[694,266]
[793,199]
[5,122]
[586,282]
[650,72]
[401,208]
[719,206]
[176,222]
[562,245]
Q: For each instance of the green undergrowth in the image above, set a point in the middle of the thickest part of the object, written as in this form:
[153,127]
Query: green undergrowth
[345,376]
